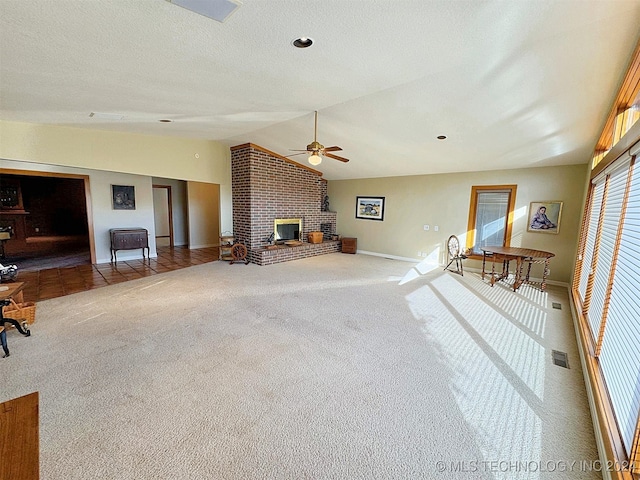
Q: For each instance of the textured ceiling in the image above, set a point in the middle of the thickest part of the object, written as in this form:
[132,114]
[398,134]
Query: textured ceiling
[511,83]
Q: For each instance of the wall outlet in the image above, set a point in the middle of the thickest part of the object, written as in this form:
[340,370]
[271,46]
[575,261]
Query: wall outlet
[436,228]
[426,227]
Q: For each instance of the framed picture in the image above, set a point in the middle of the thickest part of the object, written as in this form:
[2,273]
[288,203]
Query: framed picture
[370,208]
[124,197]
[544,217]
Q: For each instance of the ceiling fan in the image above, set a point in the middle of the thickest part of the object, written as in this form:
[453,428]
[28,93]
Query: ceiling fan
[317,150]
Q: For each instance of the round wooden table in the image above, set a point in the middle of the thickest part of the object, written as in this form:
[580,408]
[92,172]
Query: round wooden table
[520,255]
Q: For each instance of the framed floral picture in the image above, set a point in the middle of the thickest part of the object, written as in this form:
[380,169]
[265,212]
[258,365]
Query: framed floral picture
[124,197]
[370,208]
[544,217]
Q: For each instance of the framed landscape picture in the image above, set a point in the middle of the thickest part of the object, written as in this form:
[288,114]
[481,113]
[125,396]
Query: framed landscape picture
[544,217]
[124,197]
[370,208]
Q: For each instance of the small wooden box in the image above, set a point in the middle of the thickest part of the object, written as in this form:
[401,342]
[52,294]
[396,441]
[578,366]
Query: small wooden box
[349,245]
[315,237]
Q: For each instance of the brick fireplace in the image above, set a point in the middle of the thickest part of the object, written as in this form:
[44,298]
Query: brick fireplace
[267,186]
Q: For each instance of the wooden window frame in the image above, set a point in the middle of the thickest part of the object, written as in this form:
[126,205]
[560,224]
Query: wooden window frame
[473,210]
[616,124]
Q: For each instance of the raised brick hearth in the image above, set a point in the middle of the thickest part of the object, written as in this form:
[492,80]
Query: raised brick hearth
[266,186]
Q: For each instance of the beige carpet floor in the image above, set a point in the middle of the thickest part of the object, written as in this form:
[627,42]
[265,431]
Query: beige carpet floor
[331,367]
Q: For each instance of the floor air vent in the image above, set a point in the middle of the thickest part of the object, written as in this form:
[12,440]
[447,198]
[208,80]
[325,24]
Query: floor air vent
[560,358]
[557,306]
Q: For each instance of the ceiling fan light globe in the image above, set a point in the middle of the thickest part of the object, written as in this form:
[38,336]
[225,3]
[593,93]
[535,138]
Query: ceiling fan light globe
[315,159]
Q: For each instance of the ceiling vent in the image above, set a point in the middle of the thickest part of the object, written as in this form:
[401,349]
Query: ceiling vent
[106,116]
[218,10]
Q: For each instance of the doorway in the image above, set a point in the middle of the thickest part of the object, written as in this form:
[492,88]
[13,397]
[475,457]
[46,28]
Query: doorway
[163,215]
[49,221]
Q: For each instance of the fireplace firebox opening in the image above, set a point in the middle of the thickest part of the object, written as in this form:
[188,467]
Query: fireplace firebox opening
[287,229]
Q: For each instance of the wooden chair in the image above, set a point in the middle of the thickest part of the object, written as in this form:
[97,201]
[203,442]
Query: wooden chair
[455,253]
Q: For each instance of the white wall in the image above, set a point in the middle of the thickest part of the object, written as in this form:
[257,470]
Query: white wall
[179,207]
[161,211]
[226,209]
[161,216]
[169,157]
[444,200]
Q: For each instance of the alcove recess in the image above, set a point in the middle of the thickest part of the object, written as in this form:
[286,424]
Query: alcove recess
[44,214]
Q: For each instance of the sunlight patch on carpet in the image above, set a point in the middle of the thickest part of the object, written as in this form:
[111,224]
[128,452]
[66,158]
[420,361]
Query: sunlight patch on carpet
[497,371]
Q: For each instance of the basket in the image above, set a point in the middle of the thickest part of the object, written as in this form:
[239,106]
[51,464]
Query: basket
[315,237]
[25,311]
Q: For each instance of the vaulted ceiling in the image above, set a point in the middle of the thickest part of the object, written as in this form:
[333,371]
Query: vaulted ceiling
[510,83]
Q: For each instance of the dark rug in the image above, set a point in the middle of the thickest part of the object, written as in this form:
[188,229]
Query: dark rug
[54,260]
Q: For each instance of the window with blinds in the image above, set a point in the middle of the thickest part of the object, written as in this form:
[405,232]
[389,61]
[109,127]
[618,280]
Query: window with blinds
[608,287]
[592,230]
[617,182]
[620,353]
[491,219]
[491,213]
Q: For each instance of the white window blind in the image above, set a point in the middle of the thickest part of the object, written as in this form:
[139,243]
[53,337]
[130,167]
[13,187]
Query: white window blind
[491,219]
[592,229]
[610,221]
[620,354]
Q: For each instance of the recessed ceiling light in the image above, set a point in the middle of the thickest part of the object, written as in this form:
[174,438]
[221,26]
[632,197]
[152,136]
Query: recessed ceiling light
[302,42]
[441,137]
[165,120]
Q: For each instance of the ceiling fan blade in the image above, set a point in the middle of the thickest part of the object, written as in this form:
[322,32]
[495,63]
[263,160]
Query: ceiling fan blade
[332,149]
[295,150]
[336,157]
[294,154]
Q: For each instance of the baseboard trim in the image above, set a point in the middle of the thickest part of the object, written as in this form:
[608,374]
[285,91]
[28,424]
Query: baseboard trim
[194,247]
[124,258]
[386,255]
[468,269]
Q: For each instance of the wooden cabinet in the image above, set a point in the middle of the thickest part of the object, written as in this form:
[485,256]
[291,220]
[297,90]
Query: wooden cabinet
[11,195]
[349,245]
[128,239]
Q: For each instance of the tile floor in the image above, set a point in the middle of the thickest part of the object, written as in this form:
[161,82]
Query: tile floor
[57,282]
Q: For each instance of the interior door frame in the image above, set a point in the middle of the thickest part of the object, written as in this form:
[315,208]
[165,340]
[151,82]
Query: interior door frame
[170,210]
[87,197]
